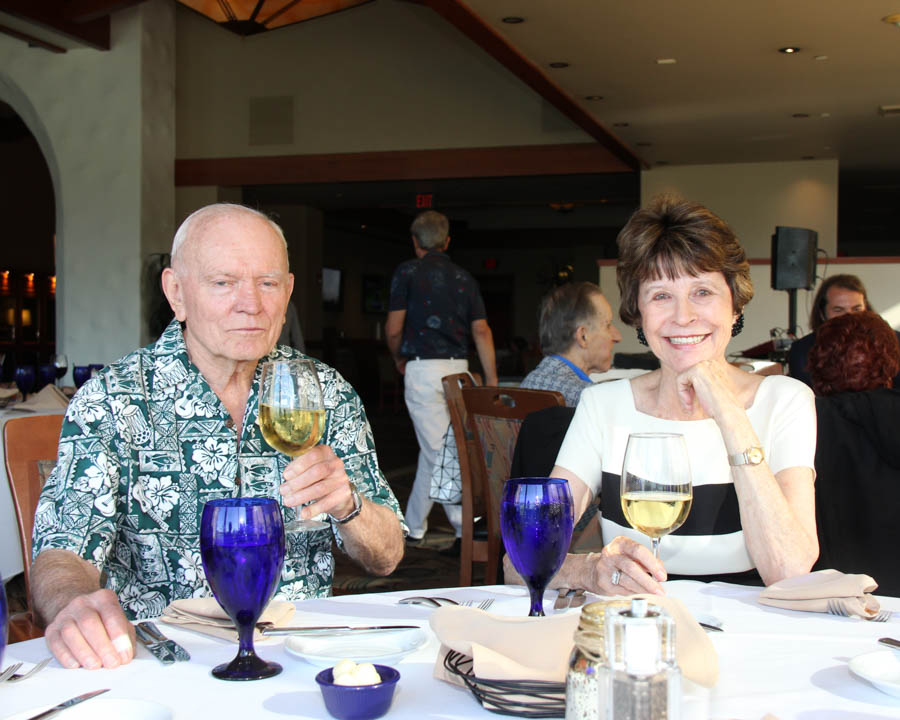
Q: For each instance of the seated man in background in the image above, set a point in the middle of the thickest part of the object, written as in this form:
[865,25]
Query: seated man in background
[158,433]
[577,337]
[853,363]
[837,295]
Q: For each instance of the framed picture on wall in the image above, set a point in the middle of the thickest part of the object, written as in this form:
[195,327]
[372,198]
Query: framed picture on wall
[375,294]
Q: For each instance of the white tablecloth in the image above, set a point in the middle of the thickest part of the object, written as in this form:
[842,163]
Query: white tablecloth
[790,664]
[10,547]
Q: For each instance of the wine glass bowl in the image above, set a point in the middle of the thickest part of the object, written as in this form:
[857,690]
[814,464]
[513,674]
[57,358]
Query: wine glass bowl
[536,521]
[46,375]
[61,365]
[242,550]
[80,374]
[292,414]
[656,490]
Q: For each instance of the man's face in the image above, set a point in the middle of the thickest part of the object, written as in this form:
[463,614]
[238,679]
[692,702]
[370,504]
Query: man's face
[840,301]
[601,336]
[231,290]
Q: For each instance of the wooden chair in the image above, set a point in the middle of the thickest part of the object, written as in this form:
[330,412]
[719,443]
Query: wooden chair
[30,445]
[495,416]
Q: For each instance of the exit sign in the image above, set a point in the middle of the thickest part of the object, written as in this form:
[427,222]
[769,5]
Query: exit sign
[424,201]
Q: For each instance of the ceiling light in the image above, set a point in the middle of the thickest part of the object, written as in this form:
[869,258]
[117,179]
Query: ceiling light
[249,17]
[593,97]
[790,50]
[666,61]
[821,57]
[824,115]
[800,115]
[892,19]
[559,65]
[889,110]
[513,20]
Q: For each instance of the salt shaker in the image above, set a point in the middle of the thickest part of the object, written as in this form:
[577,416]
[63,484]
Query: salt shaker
[644,678]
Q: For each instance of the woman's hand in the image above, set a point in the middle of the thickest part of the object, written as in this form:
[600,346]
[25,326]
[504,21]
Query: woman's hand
[709,384]
[628,562]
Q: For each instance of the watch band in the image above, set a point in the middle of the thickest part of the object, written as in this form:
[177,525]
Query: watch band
[753,455]
[357,507]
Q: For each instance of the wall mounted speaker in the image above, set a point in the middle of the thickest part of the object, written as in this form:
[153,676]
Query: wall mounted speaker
[794,258]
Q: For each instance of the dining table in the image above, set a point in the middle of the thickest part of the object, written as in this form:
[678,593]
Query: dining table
[783,663]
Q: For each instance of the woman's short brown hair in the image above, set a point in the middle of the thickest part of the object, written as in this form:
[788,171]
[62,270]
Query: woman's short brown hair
[672,237]
[854,352]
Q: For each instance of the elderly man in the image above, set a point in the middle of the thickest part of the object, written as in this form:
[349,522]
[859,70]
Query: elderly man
[837,295]
[172,425]
[435,307]
[577,338]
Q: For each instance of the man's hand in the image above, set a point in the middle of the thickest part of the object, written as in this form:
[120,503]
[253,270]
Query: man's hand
[400,364]
[91,632]
[317,477]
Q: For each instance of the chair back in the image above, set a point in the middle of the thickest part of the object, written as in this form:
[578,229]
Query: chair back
[496,415]
[30,445]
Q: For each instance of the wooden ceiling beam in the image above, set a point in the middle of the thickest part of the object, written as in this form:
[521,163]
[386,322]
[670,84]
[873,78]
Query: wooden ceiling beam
[52,15]
[462,17]
[31,40]
[81,11]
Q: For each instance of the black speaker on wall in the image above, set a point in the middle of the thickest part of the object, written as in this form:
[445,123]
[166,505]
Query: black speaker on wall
[794,258]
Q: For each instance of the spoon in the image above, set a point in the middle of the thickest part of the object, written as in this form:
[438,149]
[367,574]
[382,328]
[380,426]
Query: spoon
[433,602]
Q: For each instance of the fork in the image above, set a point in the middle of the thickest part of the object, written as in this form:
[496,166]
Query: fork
[480,604]
[8,673]
[28,673]
[836,607]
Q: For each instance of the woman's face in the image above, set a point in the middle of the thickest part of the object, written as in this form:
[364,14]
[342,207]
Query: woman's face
[688,319]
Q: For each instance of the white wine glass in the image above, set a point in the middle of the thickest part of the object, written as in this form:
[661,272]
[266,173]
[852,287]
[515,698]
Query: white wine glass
[656,489]
[292,415]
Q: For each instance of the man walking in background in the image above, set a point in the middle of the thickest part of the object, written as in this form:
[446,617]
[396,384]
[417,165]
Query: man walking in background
[435,307]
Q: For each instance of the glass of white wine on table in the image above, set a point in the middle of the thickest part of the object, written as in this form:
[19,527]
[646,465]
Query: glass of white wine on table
[292,415]
[656,490]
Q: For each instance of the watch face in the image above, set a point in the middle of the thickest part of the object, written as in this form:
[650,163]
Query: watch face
[755,455]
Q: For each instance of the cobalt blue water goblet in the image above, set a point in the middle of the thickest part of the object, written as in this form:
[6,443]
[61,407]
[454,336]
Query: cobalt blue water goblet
[80,374]
[242,549]
[536,520]
[46,375]
[25,379]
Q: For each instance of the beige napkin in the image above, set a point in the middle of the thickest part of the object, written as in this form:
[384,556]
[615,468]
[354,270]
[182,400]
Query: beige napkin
[205,615]
[505,648]
[816,591]
[50,397]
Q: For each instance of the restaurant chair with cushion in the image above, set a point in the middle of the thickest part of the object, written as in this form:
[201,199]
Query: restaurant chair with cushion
[30,446]
[495,416]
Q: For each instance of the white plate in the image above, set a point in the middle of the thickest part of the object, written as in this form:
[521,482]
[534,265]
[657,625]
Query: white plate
[881,668]
[385,648]
[97,708]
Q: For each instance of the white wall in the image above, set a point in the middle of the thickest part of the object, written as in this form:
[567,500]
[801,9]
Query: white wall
[755,197]
[105,122]
[388,75]
[769,308]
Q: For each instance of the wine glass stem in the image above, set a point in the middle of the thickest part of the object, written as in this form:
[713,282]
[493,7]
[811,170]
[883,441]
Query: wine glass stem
[655,544]
[537,602]
[245,637]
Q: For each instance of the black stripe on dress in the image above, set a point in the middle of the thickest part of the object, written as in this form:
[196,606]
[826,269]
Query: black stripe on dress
[714,510]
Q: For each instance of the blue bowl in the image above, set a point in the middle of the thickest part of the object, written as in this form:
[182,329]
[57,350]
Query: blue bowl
[358,702]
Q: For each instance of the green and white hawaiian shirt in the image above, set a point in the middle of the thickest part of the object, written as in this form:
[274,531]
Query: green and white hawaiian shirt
[147,442]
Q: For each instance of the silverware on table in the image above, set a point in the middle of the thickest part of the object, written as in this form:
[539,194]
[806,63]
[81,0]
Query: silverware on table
[56,709]
[334,629]
[563,598]
[577,599]
[890,642]
[177,650]
[426,601]
[15,677]
[710,628]
[157,648]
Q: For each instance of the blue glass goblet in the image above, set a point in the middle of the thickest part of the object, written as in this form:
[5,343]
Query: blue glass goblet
[80,374]
[536,519]
[25,379]
[3,621]
[242,549]
[46,375]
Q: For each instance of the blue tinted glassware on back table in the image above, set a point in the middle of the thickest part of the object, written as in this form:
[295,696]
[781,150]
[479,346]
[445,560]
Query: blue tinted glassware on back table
[242,549]
[536,520]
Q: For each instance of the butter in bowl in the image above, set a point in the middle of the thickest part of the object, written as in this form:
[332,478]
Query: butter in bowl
[368,696]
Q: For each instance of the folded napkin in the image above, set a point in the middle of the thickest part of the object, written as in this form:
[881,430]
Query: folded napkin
[205,615]
[505,648]
[50,397]
[825,591]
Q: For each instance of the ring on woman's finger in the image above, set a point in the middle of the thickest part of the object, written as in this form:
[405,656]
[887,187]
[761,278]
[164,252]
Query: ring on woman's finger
[616,574]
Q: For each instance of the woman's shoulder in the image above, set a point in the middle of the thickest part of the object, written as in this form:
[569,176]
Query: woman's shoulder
[781,391]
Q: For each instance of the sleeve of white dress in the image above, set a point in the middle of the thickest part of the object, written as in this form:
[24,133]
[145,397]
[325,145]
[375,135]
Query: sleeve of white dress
[580,452]
[793,427]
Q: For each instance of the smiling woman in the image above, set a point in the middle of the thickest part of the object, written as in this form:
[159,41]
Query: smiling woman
[684,281]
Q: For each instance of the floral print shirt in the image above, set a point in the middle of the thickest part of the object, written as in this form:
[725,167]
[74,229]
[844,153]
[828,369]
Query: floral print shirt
[147,442]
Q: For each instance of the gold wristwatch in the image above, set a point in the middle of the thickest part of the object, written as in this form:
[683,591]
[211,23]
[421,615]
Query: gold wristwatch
[751,456]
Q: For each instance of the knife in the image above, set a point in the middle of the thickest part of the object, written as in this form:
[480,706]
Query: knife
[156,647]
[56,709]
[334,629]
[179,652]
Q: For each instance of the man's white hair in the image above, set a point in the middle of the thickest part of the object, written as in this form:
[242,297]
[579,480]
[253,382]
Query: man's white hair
[198,220]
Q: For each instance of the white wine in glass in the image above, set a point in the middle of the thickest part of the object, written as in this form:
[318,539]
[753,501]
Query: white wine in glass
[292,415]
[656,490]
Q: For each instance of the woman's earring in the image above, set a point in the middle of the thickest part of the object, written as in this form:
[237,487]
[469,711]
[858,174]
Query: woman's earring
[738,326]
[642,339]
